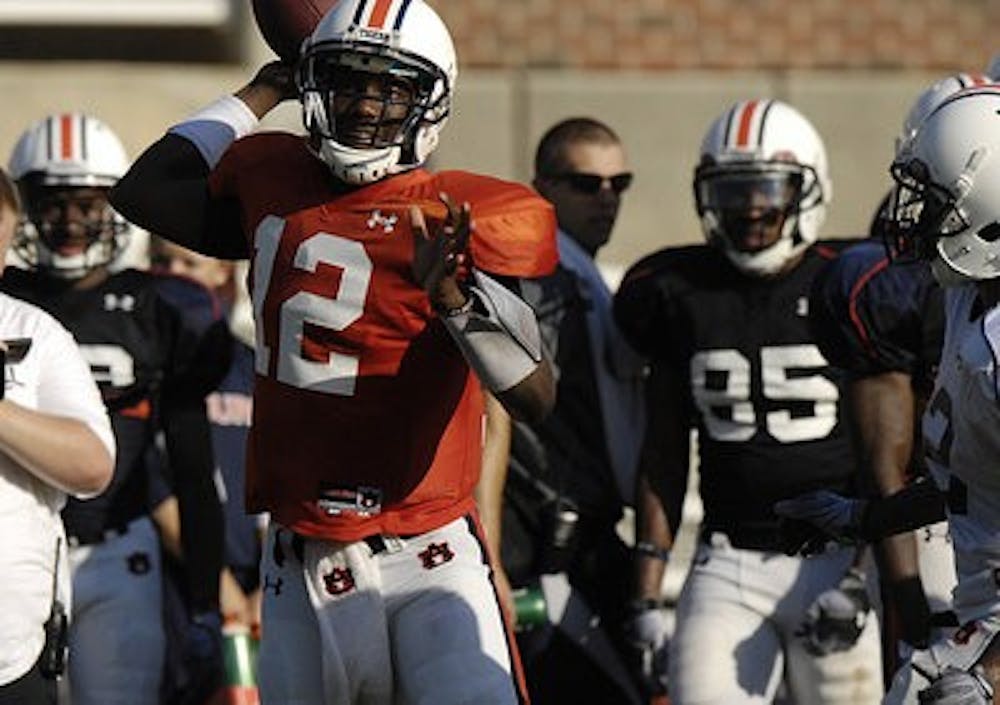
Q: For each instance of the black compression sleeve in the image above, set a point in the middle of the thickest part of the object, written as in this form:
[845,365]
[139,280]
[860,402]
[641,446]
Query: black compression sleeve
[189,447]
[918,504]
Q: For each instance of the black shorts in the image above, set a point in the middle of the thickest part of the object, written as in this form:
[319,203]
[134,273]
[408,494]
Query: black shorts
[30,689]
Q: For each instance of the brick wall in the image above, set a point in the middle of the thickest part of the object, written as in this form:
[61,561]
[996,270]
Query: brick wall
[939,35]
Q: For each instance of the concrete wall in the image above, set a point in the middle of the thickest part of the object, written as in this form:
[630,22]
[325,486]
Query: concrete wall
[500,113]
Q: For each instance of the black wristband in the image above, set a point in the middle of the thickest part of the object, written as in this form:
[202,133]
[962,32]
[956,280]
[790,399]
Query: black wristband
[916,505]
[3,368]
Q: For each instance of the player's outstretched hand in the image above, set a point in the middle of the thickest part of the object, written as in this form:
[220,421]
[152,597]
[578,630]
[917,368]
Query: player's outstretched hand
[814,518]
[439,255]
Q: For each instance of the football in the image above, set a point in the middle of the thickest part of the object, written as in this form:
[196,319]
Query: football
[285,23]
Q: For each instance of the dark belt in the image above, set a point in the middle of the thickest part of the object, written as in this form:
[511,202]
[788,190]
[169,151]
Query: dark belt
[378,544]
[90,538]
[767,539]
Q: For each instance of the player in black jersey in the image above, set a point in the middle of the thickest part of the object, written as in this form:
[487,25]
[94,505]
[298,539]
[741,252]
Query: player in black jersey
[727,331]
[153,366]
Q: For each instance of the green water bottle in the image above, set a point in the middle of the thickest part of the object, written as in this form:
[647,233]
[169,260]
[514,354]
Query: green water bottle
[241,666]
[529,607]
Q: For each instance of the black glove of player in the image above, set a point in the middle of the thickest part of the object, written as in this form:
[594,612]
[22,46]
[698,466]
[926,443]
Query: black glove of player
[838,616]
[956,687]
[203,655]
[914,614]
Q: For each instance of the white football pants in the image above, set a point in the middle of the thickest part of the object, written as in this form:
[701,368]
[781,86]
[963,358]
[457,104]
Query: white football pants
[737,623]
[116,637]
[412,622]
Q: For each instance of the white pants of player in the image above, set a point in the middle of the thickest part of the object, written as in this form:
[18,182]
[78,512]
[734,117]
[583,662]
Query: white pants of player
[417,624]
[116,637]
[737,620]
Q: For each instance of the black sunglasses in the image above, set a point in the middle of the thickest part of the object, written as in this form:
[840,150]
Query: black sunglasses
[592,183]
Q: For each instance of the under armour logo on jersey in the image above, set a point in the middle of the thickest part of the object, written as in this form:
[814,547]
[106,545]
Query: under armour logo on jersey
[274,585]
[139,563]
[114,302]
[802,307]
[386,222]
[339,581]
[435,555]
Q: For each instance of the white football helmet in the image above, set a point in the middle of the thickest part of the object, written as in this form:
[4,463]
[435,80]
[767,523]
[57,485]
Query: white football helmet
[403,40]
[946,207]
[933,96]
[65,152]
[762,149]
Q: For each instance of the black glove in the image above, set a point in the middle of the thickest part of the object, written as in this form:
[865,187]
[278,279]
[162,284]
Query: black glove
[203,656]
[837,617]
[957,687]
[914,614]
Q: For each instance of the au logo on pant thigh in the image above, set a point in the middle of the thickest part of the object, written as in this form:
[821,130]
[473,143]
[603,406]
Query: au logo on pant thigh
[436,554]
[339,581]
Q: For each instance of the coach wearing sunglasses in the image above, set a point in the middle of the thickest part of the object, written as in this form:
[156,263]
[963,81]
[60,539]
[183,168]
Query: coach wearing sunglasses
[571,475]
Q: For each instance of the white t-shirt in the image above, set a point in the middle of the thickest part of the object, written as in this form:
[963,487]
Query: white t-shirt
[52,378]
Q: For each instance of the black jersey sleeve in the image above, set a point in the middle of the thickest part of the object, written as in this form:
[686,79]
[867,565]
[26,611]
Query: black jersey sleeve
[870,316]
[201,344]
[166,191]
[644,305]
[199,353]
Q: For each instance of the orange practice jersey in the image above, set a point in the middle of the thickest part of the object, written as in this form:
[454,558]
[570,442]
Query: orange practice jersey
[361,396]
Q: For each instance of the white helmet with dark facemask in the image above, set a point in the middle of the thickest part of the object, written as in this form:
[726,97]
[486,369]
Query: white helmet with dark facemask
[946,207]
[401,40]
[933,96]
[56,157]
[762,156]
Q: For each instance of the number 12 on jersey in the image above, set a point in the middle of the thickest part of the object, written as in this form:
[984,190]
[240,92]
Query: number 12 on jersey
[338,373]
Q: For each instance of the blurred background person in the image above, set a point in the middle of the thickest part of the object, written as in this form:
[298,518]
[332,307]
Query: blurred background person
[152,365]
[725,327]
[571,475]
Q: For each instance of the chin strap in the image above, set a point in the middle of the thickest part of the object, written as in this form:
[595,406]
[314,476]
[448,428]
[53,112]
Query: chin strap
[497,332]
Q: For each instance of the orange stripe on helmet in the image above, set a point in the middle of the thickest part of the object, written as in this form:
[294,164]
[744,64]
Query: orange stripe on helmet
[66,136]
[379,13]
[744,123]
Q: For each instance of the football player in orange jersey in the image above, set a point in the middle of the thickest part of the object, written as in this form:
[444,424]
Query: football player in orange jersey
[372,307]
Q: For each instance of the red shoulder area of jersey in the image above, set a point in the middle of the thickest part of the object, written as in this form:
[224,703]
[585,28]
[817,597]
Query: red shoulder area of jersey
[515,228]
[273,173]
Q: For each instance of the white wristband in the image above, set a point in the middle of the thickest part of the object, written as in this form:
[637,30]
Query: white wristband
[216,126]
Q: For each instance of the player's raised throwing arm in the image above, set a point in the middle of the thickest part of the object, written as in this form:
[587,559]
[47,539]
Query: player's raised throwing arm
[166,189]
